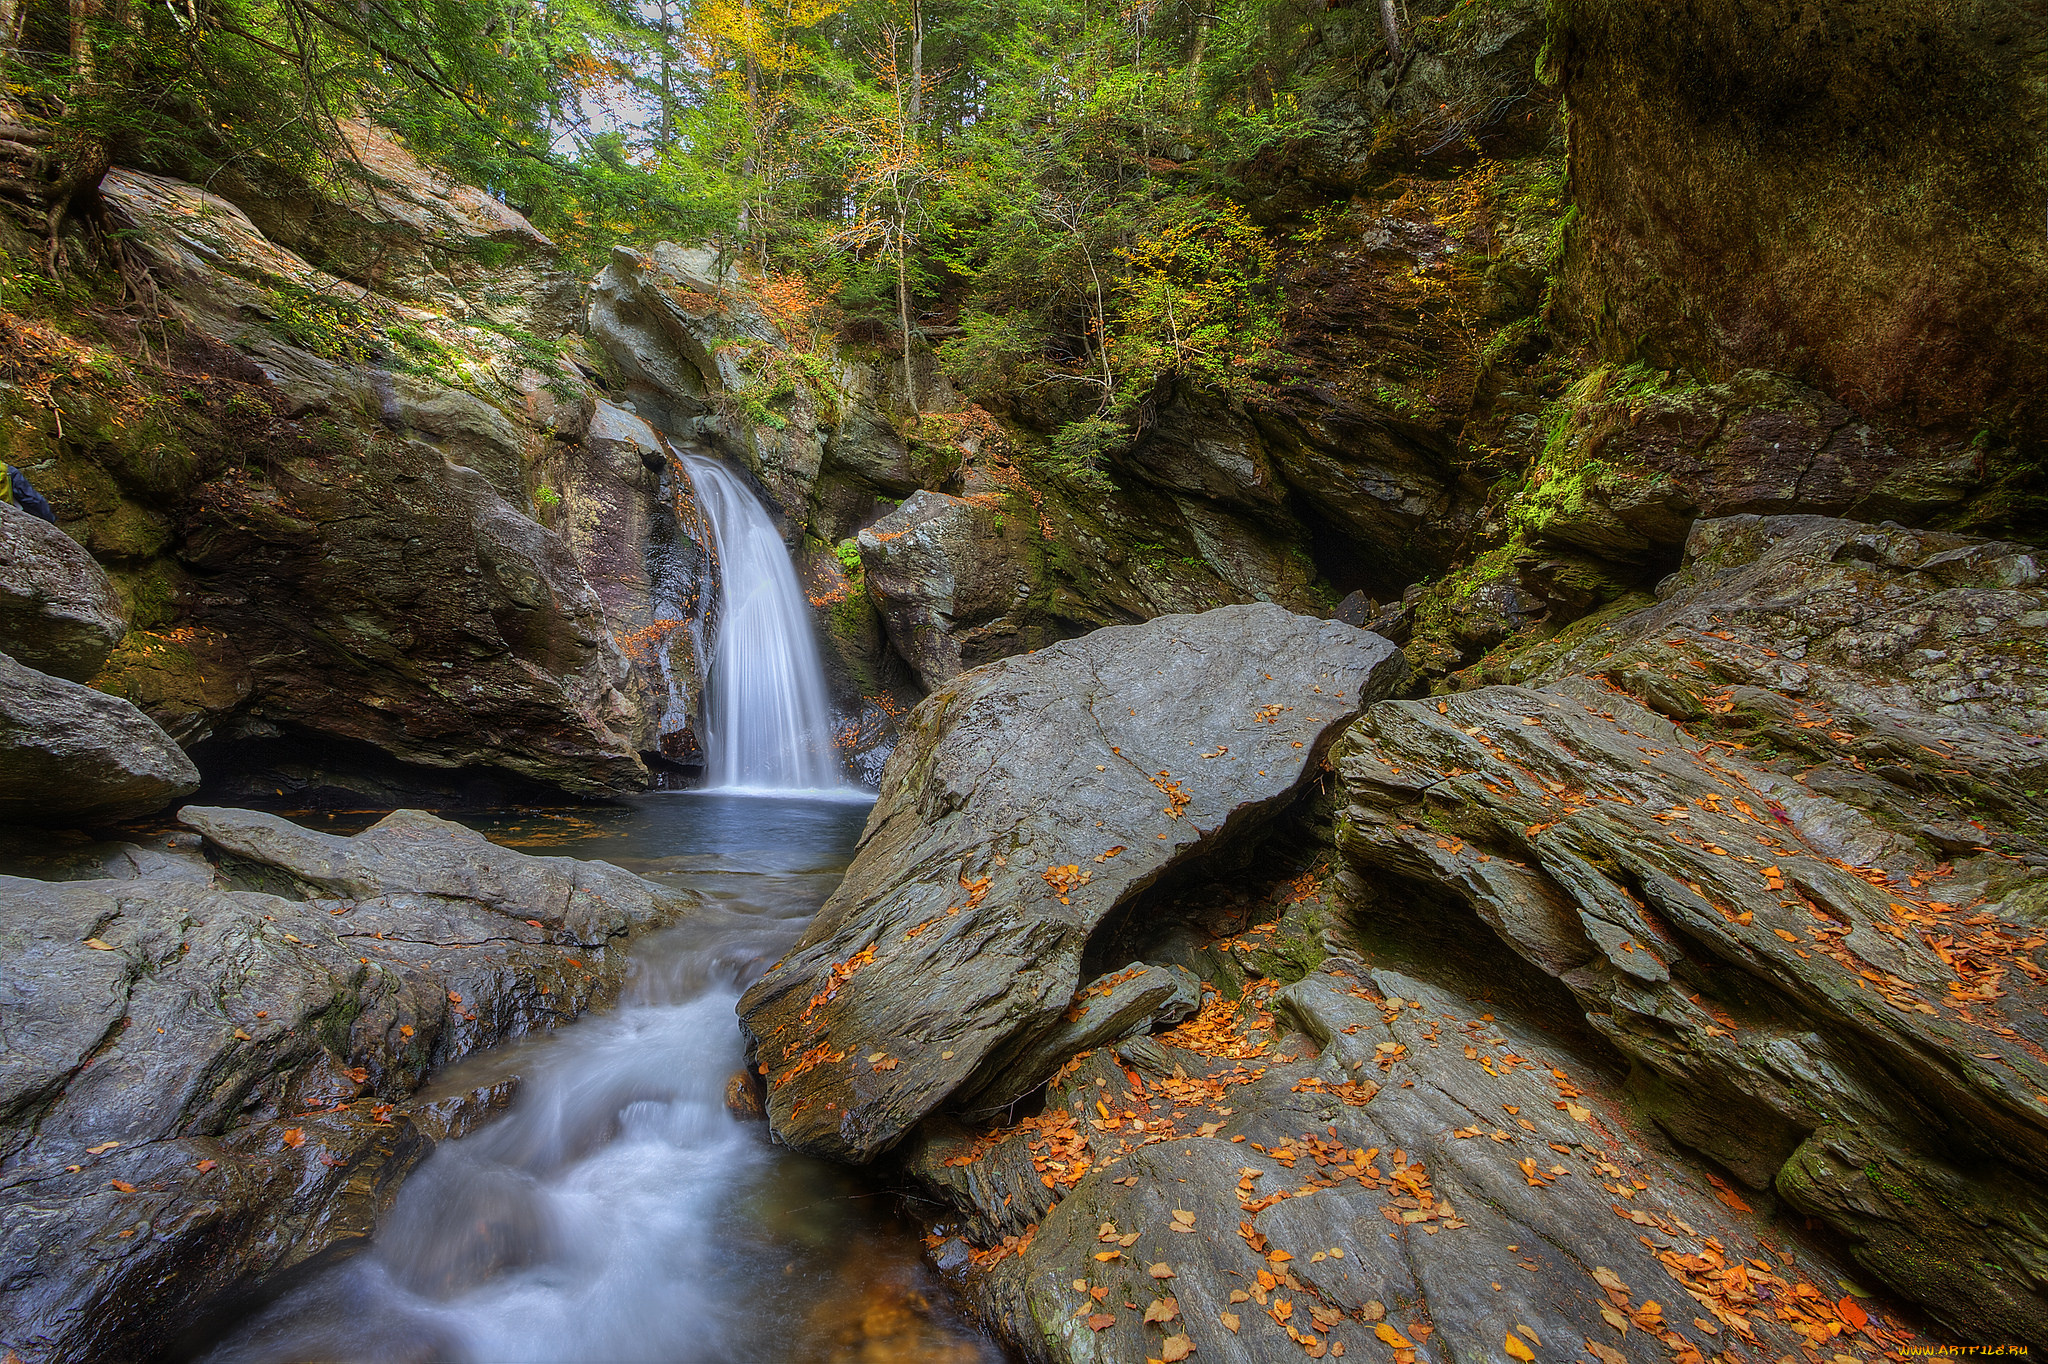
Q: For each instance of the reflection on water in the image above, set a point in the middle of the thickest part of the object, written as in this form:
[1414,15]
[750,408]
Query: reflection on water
[618,1213]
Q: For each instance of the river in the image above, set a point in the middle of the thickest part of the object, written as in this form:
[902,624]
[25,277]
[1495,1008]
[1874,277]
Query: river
[617,1212]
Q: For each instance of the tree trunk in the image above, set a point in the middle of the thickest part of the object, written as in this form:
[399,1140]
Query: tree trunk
[668,93]
[81,41]
[1391,22]
[903,318]
[916,65]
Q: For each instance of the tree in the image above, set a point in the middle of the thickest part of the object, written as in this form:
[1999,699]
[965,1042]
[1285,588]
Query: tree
[892,174]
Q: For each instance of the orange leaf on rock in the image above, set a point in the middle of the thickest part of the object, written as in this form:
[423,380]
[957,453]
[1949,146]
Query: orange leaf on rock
[1514,1346]
[206,1165]
[122,1185]
[1726,1193]
[1852,1314]
[294,1136]
[1389,1336]
[1101,1321]
[1176,1348]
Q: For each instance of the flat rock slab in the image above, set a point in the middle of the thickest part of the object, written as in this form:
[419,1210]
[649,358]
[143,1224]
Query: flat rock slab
[1411,1161]
[203,1085]
[1027,802]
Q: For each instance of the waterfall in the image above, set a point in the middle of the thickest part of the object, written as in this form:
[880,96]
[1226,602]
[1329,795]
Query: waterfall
[766,721]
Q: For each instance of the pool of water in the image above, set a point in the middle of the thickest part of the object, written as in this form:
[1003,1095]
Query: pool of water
[617,1211]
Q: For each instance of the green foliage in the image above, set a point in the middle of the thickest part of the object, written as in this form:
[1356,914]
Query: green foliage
[421,352]
[993,353]
[331,327]
[849,555]
[1199,297]
[1077,452]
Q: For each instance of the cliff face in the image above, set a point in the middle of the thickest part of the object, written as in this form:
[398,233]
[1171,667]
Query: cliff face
[1850,194]
[403,484]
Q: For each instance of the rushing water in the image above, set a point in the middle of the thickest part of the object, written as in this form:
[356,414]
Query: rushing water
[767,724]
[617,1213]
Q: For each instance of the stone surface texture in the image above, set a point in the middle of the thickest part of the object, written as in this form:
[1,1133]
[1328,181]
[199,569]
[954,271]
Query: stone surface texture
[1777,836]
[58,612]
[1028,802]
[377,574]
[72,755]
[211,1080]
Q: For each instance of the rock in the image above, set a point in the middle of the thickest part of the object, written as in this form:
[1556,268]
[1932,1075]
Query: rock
[1055,787]
[743,1096]
[1356,609]
[69,754]
[1266,1198]
[473,433]
[1713,843]
[1126,1003]
[1637,464]
[343,551]
[1697,241]
[947,575]
[58,612]
[695,348]
[394,224]
[630,515]
[208,1086]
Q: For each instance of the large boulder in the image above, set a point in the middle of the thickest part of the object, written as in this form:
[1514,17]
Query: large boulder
[1780,836]
[58,612]
[1634,464]
[949,577]
[395,224]
[629,513]
[330,537]
[1027,803]
[208,1084]
[72,755]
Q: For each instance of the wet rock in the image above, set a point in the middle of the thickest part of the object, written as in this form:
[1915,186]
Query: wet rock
[743,1096]
[72,755]
[1126,1003]
[206,1086]
[1704,821]
[947,579]
[58,612]
[1379,1163]
[1053,788]
[372,573]
[629,513]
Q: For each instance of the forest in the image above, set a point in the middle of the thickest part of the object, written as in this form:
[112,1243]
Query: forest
[859,681]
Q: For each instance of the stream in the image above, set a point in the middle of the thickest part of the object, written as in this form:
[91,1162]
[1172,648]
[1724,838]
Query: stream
[617,1212]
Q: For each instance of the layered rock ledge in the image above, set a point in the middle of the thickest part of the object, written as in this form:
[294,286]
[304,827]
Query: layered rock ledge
[1679,1000]
[214,1076]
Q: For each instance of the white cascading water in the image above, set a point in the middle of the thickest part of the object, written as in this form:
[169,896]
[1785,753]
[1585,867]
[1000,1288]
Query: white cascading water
[767,724]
